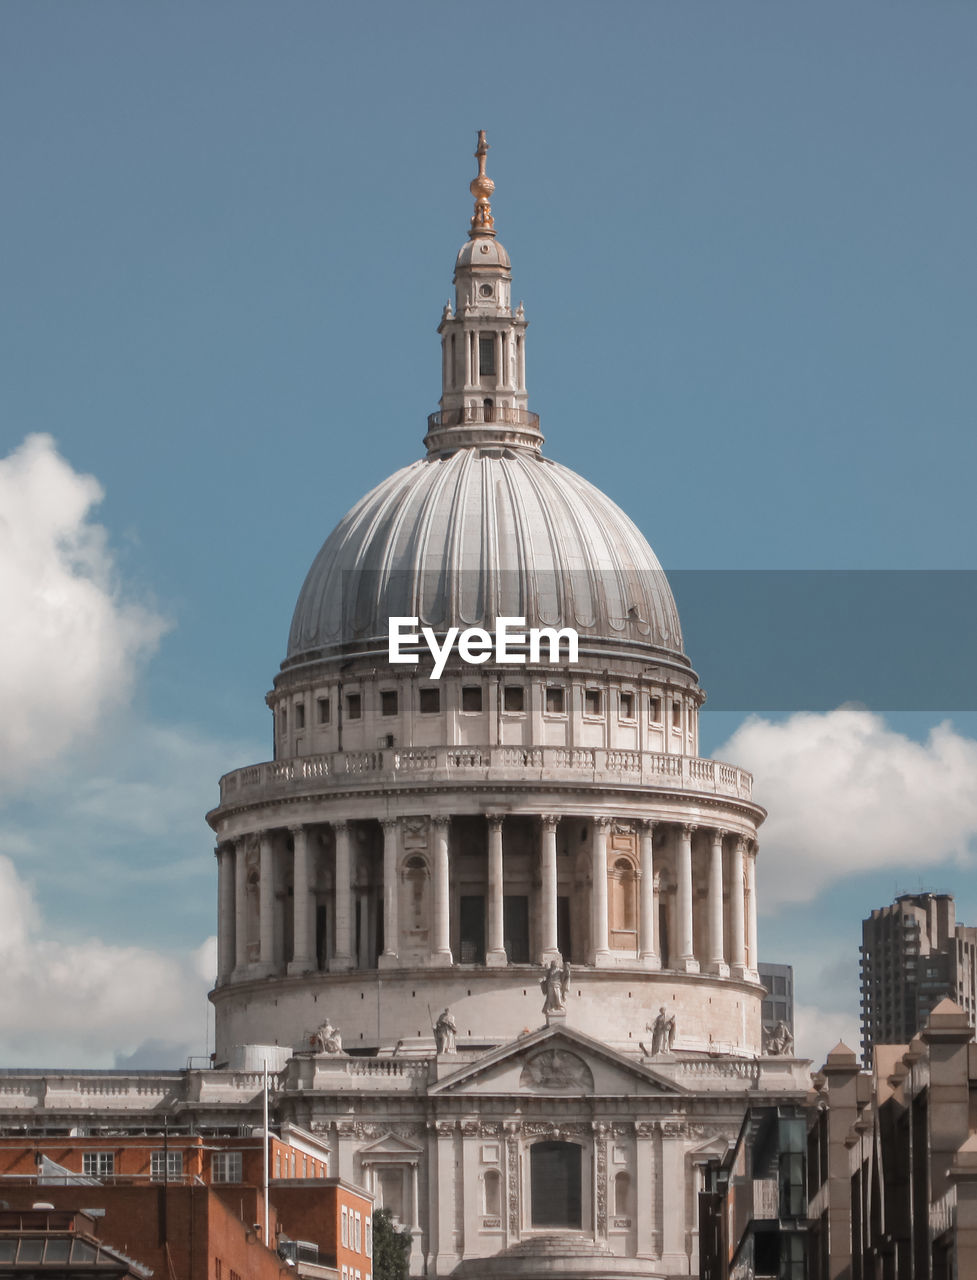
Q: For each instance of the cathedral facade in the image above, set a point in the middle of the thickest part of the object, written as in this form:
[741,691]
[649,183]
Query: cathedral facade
[487,915]
[499,926]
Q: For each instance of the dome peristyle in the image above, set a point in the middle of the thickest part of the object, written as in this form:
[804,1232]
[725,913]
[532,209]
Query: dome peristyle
[462,539]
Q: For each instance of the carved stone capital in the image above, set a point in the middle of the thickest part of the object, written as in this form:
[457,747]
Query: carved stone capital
[341,824]
[389,824]
[548,821]
[494,821]
[441,820]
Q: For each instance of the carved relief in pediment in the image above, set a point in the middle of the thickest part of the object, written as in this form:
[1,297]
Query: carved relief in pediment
[557,1070]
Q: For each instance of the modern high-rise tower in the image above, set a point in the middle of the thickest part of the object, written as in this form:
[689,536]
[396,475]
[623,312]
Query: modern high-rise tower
[913,955]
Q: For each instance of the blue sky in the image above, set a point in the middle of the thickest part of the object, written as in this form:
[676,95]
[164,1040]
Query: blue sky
[744,238]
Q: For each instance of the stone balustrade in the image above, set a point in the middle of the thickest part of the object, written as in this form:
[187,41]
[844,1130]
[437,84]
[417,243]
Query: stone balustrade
[647,769]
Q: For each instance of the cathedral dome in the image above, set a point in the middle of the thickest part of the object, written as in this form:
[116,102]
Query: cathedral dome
[482,533]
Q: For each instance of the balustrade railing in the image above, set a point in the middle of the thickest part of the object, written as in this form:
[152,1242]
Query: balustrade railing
[477,414]
[650,768]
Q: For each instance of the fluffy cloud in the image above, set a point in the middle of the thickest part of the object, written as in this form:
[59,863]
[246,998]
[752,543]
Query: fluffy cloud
[818,1030]
[86,1002]
[70,643]
[847,794]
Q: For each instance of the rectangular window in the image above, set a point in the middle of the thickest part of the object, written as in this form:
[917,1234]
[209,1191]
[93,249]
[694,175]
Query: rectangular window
[345,1269]
[676,715]
[627,706]
[98,1164]
[655,710]
[300,715]
[345,1230]
[471,697]
[283,720]
[323,710]
[388,702]
[278,1164]
[429,701]
[358,1234]
[368,1242]
[514,698]
[592,702]
[555,699]
[354,706]
[226,1166]
[486,355]
[166,1166]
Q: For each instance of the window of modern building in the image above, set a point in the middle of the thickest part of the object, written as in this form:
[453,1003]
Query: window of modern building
[556,699]
[627,706]
[98,1164]
[354,706]
[322,705]
[471,697]
[357,1233]
[388,702]
[429,701]
[555,1184]
[344,1228]
[592,702]
[166,1166]
[368,1238]
[227,1166]
[514,698]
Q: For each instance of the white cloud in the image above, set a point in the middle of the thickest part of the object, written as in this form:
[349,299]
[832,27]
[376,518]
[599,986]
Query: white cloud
[817,1031]
[70,643]
[847,794]
[87,1002]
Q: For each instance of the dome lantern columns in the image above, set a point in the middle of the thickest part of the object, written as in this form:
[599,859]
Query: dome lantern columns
[642,910]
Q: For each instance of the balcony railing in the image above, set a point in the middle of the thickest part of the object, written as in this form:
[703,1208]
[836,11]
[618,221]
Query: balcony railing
[478,414]
[651,770]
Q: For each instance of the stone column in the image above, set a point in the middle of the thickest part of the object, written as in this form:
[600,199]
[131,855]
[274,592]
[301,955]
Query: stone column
[343,959]
[240,905]
[225,911]
[737,908]
[495,953]
[751,913]
[717,954]
[548,933]
[601,951]
[647,931]
[266,904]
[685,957]
[391,923]
[302,943]
[442,893]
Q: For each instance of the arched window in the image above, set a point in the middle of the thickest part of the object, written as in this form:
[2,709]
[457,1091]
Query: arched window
[555,1182]
[493,1194]
[623,904]
[488,410]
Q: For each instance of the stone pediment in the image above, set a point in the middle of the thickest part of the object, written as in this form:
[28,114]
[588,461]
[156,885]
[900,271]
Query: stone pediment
[391,1147]
[555,1062]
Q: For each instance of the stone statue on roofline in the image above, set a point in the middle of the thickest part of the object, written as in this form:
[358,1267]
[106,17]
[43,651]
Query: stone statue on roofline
[555,984]
[327,1039]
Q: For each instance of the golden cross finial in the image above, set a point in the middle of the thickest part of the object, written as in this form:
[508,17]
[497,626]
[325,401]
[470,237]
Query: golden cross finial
[481,187]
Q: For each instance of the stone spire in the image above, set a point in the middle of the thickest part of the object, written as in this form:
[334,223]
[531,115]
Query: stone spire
[483,358]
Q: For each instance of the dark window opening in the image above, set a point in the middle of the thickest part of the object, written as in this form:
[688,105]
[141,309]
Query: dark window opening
[486,355]
[514,697]
[354,706]
[515,928]
[655,710]
[300,715]
[627,706]
[429,701]
[471,697]
[555,1182]
[283,720]
[388,702]
[471,914]
[556,699]
[592,702]
[323,709]
[563,940]
[676,715]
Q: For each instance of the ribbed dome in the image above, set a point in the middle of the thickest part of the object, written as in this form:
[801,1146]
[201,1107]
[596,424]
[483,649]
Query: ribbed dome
[483,533]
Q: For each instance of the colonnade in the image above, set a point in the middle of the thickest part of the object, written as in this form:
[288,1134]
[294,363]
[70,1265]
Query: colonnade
[675,866]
